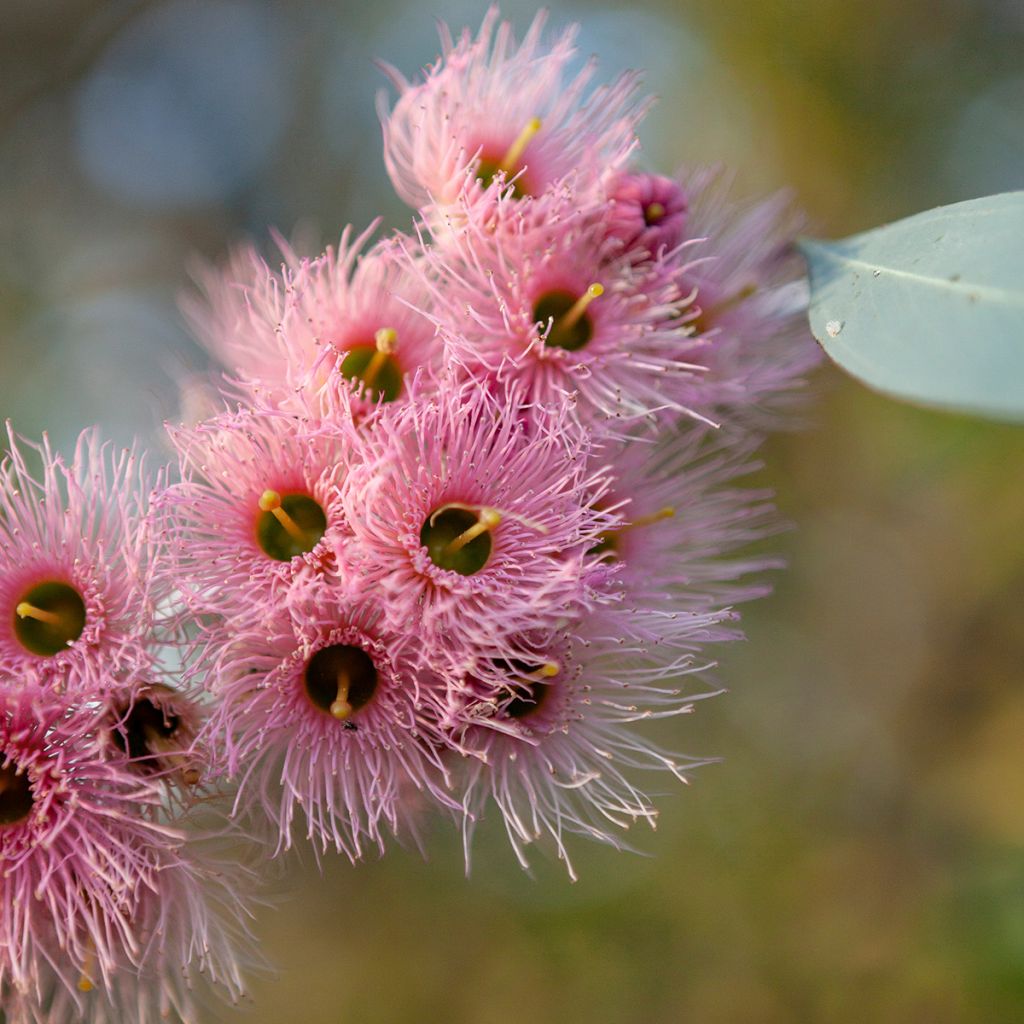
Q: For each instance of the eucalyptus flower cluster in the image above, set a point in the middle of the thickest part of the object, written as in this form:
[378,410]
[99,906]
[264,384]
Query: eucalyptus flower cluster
[468,517]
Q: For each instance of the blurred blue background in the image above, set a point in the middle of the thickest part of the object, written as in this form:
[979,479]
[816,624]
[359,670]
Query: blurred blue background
[858,855]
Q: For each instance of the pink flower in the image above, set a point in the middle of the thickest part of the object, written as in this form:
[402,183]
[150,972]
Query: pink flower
[322,710]
[554,740]
[259,506]
[191,945]
[646,213]
[76,564]
[153,727]
[750,301]
[78,843]
[343,321]
[492,115]
[472,516]
[684,520]
[363,312]
[243,307]
[554,306]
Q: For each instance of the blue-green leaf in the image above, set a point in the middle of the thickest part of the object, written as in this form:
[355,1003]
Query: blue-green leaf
[930,308]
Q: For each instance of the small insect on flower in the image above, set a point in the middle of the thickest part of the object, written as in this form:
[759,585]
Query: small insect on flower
[322,710]
[76,564]
[472,515]
[494,118]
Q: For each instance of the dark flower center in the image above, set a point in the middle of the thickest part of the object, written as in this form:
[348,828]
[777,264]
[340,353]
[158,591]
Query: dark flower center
[510,163]
[653,213]
[528,700]
[571,325]
[49,617]
[379,371]
[458,539]
[488,169]
[340,679]
[289,525]
[15,796]
[530,685]
[154,738]
[607,545]
[140,730]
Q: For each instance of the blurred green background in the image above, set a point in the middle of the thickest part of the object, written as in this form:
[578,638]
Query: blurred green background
[859,854]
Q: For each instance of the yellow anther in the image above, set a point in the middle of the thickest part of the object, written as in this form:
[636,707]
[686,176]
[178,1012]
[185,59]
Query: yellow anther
[653,212]
[341,708]
[385,340]
[655,517]
[30,611]
[487,520]
[270,501]
[84,980]
[579,307]
[549,669]
[510,160]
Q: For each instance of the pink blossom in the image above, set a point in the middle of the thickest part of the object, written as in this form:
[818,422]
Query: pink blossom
[153,727]
[685,520]
[555,306]
[554,744]
[345,320]
[77,594]
[258,507]
[472,517]
[191,946]
[750,301]
[492,115]
[322,710]
[646,212]
[78,843]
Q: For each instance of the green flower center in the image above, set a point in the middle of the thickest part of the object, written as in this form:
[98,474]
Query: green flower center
[459,539]
[511,162]
[488,169]
[571,325]
[379,371]
[15,796]
[289,525]
[340,679]
[49,617]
